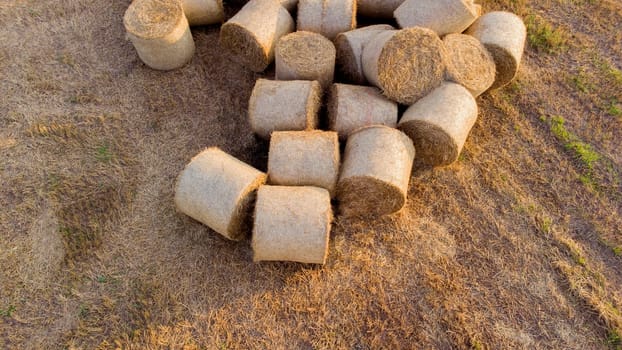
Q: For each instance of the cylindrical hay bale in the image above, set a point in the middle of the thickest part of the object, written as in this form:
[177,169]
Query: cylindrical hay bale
[349,47]
[439,123]
[503,34]
[159,31]
[405,64]
[304,158]
[442,16]
[203,12]
[253,32]
[351,107]
[377,8]
[469,63]
[292,224]
[218,190]
[290,5]
[375,173]
[284,105]
[326,17]
[305,56]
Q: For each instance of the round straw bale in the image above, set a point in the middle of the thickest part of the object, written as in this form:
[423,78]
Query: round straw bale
[290,5]
[305,56]
[351,107]
[284,105]
[253,32]
[375,173]
[159,31]
[503,34]
[442,16]
[406,64]
[203,12]
[218,190]
[469,63]
[349,47]
[439,123]
[292,224]
[377,8]
[304,158]
[326,17]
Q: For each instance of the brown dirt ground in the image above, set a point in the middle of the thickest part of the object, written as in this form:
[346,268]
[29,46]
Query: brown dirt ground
[515,246]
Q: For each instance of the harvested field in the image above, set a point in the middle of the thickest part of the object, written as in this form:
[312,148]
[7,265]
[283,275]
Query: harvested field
[516,245]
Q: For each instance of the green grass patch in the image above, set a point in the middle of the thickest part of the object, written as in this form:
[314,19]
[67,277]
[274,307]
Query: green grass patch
[614,340]
[559,129]
[615,109]
[103,154]
[584,152]
[544,37]
[582,82]
[83,311]
[546,224]
[617,251]
[8,312]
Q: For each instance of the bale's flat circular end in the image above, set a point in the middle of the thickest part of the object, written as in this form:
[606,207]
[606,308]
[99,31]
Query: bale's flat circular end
[469,63]
[306,49]
[507,66]
[434,146]
[305,55]
[150,19]
[411,64]
[244,46]
[368,196]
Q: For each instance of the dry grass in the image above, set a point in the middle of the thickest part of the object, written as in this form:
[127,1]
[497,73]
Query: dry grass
[507,248]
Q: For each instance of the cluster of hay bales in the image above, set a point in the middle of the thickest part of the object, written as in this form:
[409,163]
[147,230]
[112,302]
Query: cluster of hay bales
[444,55]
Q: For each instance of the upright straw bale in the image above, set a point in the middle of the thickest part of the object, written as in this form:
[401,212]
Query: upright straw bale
[284,105]
[405,64]
[503,34]
[304,158]
[203,12]
[251,35]
[469,63]
[442,16]
[351,107]
[218,190]
[349,47]
[305,56]
[326,17]
[160,33]
[377,8]
[292,224]
[440,123]
[375,173]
